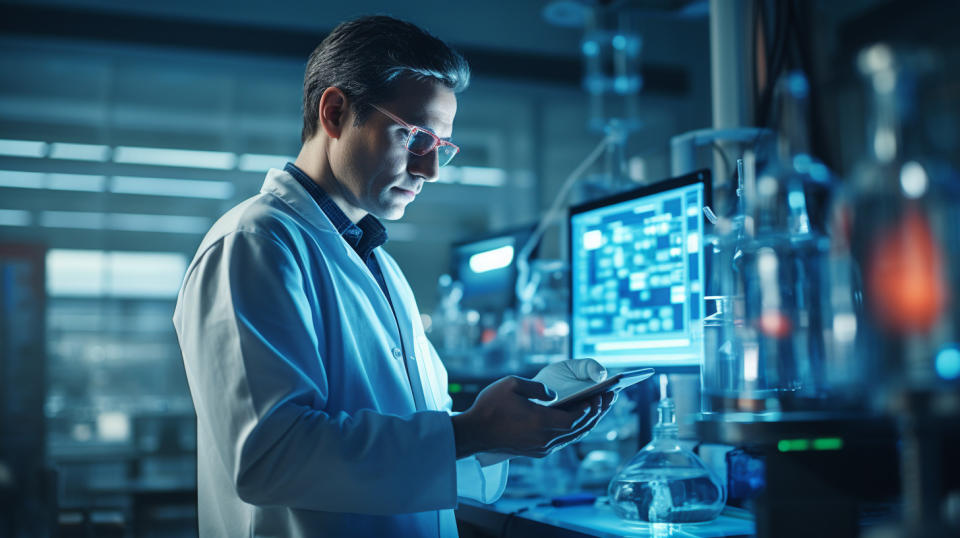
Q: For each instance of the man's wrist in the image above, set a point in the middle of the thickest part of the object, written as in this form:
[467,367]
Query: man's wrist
[464,436]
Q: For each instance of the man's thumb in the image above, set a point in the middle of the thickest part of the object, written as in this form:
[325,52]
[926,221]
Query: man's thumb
[529,388]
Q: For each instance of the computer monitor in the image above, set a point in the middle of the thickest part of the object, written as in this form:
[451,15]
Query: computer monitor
[486,266]
[637,276]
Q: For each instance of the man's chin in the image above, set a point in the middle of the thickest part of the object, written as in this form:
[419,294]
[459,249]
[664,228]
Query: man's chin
[391,212]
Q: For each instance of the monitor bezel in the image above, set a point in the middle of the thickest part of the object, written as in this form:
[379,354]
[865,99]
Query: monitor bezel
[699,176]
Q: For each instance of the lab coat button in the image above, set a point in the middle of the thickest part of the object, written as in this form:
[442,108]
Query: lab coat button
[413,358]
[397,354]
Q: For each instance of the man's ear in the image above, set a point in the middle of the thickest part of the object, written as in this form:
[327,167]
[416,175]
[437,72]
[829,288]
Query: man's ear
[332,111]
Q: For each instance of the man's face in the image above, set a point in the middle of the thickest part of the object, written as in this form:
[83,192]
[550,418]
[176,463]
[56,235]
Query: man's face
[375,171]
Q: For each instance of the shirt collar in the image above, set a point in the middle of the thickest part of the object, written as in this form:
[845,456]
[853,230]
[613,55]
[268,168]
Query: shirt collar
[363,236]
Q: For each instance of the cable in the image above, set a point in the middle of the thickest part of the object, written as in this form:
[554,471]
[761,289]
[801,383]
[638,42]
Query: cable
[523,261]
[510,517]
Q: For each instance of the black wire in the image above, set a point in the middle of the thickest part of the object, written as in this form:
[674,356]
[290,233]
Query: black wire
[775,62]
[510,517]
[804,35]
[753,49]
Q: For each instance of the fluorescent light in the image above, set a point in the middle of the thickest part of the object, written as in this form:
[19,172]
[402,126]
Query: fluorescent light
[133,222]
[21,180]
[401,231]
[75,272]
[449,174]
[158,223]
[22,148]
[481,175]
[261,162]
[14,217]
[79,152]
[87,220]
[484,176]
[76,182]
[63,182]
[491,260]
[154,274]
[189,188]
[175,157]
[118,274]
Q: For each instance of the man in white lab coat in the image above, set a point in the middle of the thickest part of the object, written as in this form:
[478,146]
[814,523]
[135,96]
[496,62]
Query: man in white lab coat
[321,406]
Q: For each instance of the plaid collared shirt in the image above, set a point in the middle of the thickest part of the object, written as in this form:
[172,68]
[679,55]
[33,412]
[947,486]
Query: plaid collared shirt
[363,236]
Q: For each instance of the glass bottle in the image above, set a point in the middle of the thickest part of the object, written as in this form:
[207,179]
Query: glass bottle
[902,210]
[664,482]
[902,217]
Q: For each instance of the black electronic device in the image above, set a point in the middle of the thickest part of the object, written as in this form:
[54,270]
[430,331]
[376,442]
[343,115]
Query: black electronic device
[486,267]
[613,383]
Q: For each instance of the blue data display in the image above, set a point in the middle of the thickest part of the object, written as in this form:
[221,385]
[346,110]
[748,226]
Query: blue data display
[636,276]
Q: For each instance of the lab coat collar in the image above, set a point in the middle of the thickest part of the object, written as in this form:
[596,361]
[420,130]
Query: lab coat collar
[285,187]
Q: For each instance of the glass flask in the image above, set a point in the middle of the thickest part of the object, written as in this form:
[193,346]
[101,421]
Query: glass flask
[664,482]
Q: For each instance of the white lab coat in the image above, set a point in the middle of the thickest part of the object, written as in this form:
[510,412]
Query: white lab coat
[319,413]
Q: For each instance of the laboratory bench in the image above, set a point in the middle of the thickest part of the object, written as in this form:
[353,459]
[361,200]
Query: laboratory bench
[538,517]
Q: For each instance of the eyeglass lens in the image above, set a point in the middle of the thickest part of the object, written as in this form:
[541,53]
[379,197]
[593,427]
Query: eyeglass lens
[421,143]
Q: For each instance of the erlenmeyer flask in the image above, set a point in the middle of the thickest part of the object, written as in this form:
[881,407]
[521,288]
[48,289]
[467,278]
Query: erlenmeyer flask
[664,482]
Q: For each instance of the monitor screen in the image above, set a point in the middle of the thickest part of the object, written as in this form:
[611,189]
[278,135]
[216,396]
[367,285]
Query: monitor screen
[486,266]
[636,275]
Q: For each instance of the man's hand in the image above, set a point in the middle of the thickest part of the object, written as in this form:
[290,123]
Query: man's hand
[570,376]
[503,419]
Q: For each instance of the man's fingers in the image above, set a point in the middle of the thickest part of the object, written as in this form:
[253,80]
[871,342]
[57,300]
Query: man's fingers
[593,417]
[608,399]
[536,390]
[576,434]
[589,369]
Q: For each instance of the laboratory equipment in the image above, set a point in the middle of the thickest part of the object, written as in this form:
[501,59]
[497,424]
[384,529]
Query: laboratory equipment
[486,269]
[543,326]
[903,211]
[665,482]
[828,370]
[903,214]
[779,350]
[636,275]
[475,325]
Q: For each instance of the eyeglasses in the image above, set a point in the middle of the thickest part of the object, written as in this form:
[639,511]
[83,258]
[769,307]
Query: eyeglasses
[421,141]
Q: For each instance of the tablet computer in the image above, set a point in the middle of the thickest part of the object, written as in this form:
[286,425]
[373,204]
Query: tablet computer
[613,383]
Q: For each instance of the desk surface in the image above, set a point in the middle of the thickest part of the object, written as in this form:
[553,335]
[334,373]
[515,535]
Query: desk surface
[590,520]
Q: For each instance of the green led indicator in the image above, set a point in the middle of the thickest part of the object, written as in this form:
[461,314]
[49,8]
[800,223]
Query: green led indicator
[793,445]
[828,443]
[455,388]
[798,445]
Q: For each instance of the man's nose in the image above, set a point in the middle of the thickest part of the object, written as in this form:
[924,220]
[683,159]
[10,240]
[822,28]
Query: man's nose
[425,166]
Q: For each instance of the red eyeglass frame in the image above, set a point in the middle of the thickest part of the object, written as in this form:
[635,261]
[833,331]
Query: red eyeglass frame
[437,141]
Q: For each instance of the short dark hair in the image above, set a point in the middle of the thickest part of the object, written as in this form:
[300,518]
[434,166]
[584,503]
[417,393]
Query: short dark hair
[367,56]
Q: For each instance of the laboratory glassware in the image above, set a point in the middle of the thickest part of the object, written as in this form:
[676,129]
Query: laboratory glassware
[664,482]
